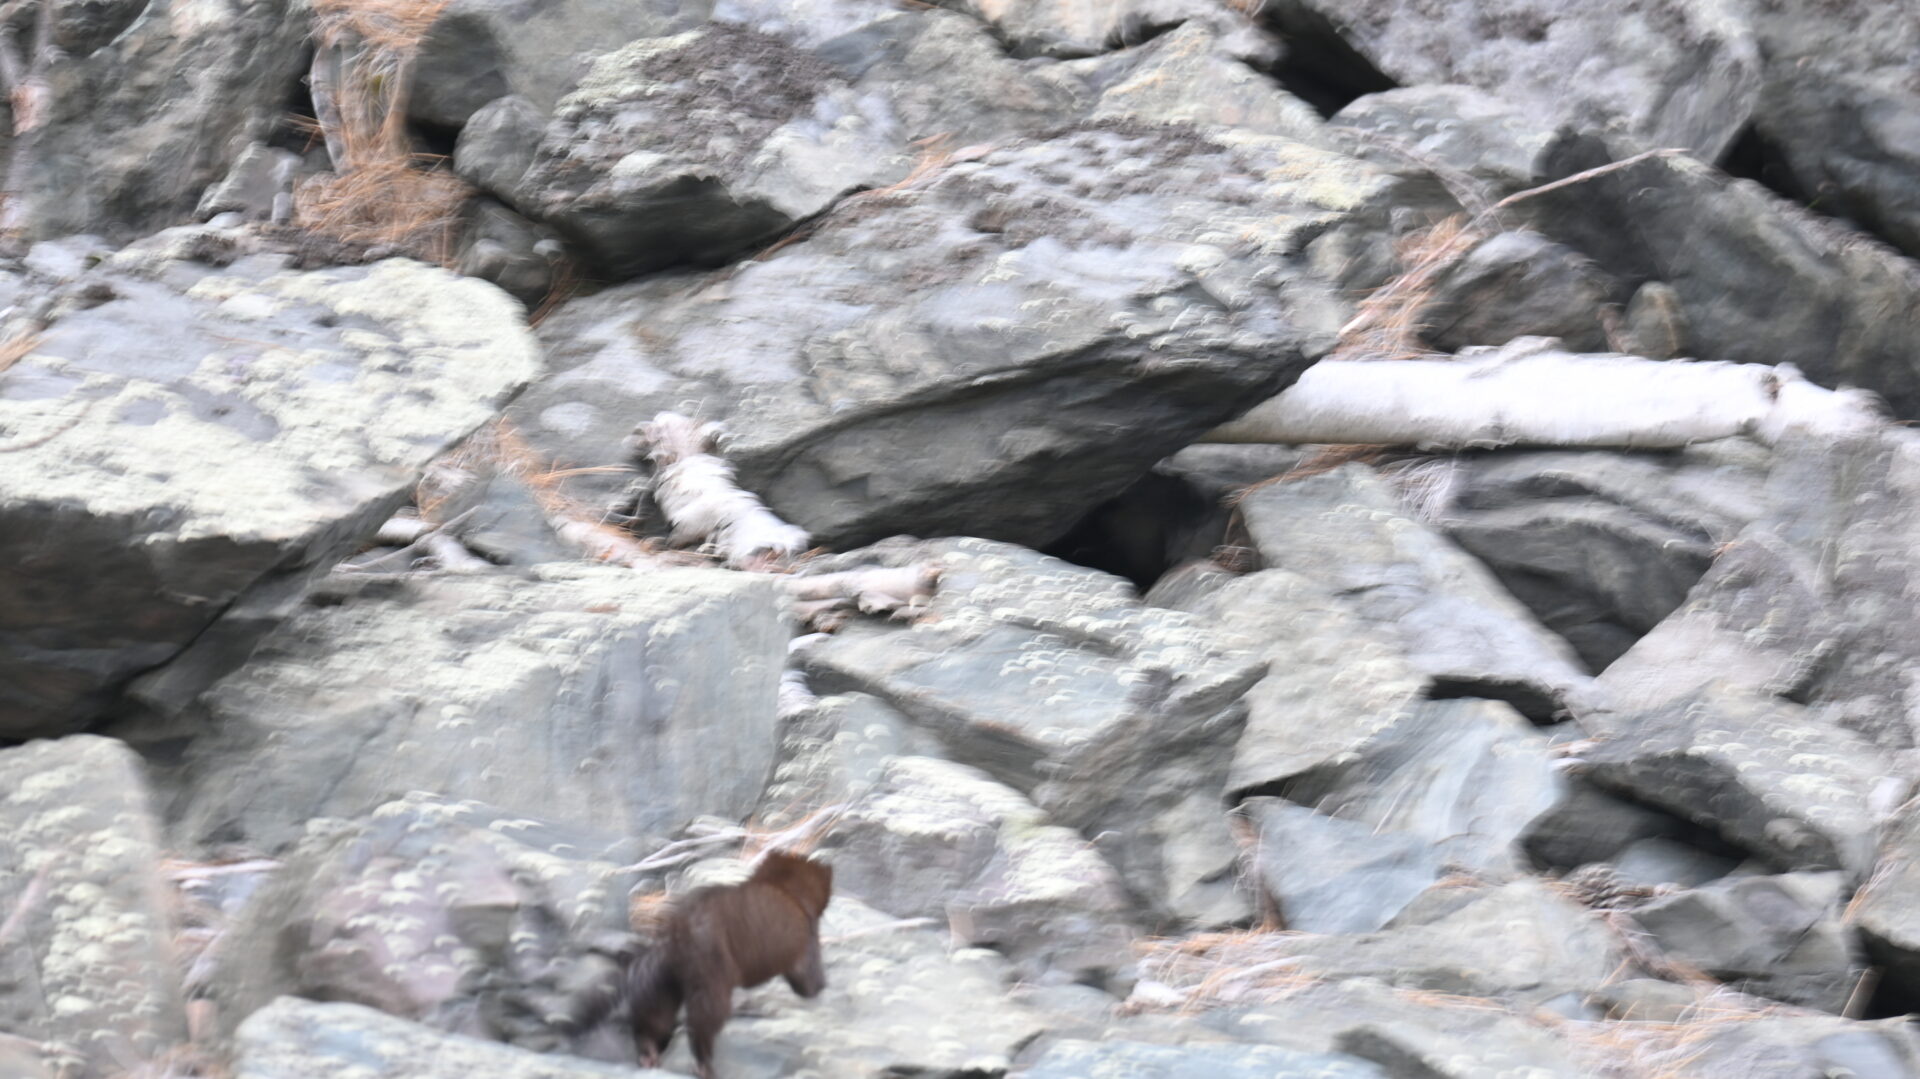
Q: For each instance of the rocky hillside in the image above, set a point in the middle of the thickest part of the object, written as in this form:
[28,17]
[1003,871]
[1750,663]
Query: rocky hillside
[1261,539]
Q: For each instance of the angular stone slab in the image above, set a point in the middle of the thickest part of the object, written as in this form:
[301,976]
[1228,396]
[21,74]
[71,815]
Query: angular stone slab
[301,1039]
[583,694]
[195,427]
[467,919]
[1349,532]
[1059,682]
[88,969]
[1040,322]
[692,147]
[1075,1059]
[940,840]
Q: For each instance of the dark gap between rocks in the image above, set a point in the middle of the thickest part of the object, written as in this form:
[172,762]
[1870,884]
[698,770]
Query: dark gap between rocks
[1149,528]
[1527,700]
[286,134]
[1755,157]
[1318,66]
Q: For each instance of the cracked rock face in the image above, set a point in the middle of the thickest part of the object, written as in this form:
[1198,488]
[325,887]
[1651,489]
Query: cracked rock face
[634,679]
[195,425]
[1041,322]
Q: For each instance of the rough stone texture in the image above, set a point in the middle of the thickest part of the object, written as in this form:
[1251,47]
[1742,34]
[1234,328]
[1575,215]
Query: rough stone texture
[1593,825]
[1760,280]
[259,185]
[898,1002]
[1775,936]
[1065,28]
[478,50]
[1041,324]
[834,750]
[1516,284]
[301,1039]
[1332,682]
[693,147]
[1792,1047]
[1600,546]
[499,246]
[1520,941]
[1838,106]
[1057,681]
[194,429]
[1347,531]
[1680,73]
[1884,912]
[453,914]
[88,970]
[496,147]
[1188,76]
[1488,140]
[151,105]
[941,840]
[1452,787]
[1071,1059]
[585,695]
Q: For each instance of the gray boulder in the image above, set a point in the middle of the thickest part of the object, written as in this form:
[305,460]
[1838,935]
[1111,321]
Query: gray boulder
[1190,75]
[1350,533]
[1066,28]
[1774,936]
[502,248]
[1040,325]
[1676,73]
[1074,1059]
[128,144]
[1759,279]
[1837,107]
[87,965]
[585,695]
[939,840]
[1516,284]
[1487,143]
[1332,684]
[197,431]
[1600,546]
[259,187]
[1794,1047]
[497,145]
[1450,788]
[1057,681]
[452,914]
[834,750]
[694,147]
[478,50]
[302,1039]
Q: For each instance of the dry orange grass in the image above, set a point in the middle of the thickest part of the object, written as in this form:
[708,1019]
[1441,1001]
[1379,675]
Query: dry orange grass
[16,348]
[381,192]
[1387,325]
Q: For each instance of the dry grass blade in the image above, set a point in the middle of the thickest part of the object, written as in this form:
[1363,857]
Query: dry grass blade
[1387,326]
[392,26]
[16,348]
[390,203]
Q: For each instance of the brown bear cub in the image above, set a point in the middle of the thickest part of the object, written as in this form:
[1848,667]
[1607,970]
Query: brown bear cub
[721,938]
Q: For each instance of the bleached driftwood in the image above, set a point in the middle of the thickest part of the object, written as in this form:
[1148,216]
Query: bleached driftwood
[696,490]
[1523,395]
[825,600]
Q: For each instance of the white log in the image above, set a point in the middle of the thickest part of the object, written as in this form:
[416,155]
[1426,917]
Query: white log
[1522,396]
[697,492]
[893,590]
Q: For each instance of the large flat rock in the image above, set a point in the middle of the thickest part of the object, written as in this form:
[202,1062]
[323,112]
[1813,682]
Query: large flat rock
[194,427]
[585,695]
[991,349]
